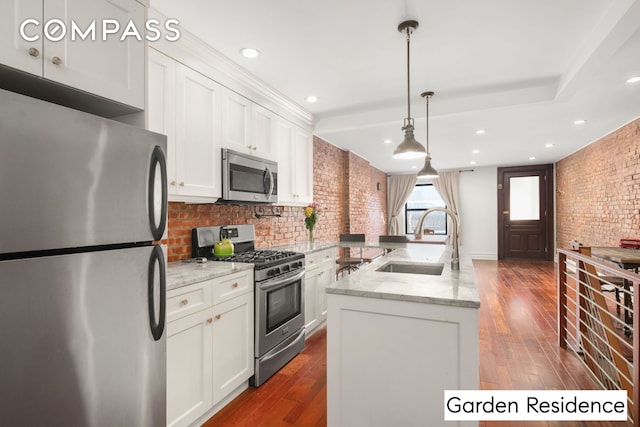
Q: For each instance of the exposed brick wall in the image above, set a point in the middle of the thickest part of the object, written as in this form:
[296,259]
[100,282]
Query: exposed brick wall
[359,186]
[377,204]
[598,191]
[336,174]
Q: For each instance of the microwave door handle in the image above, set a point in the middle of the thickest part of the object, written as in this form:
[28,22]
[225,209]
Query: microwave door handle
[270,182]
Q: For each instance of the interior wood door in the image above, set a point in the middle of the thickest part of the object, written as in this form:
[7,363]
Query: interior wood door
[525,212]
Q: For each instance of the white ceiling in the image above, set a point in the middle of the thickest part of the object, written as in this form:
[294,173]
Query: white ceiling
[523,70]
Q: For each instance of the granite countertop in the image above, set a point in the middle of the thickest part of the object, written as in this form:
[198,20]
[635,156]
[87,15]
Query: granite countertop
[304,247]
[181,273]
[455,288]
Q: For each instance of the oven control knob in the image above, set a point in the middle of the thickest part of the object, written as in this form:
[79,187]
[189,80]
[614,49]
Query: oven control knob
[285,268]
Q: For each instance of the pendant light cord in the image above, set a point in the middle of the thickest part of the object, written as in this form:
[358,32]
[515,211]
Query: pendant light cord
[408,76]
[428,152]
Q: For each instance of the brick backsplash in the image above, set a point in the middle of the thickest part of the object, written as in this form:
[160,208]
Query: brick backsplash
[343,183]
[598,191]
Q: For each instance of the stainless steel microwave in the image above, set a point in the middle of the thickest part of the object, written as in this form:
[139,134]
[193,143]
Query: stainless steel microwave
[247,178]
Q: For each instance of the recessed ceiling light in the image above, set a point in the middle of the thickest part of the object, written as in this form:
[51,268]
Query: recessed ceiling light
[481,131]
[475,151]
[311,99]
[579,122]
[472,162]
[249,52]
[548,145]
[635,79]
[387,141]
[532,158]
[414,167]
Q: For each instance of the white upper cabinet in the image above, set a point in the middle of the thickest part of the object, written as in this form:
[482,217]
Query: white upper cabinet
[246,126]
[295,164]
[198,156]
[15,51]
[236,118]
[185,105]
[161,106]
[111,68]
[262,131]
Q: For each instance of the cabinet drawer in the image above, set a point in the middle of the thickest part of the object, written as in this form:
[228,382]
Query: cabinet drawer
[231,286]
[317,259]
[312,261]
[327,256]
[187,300]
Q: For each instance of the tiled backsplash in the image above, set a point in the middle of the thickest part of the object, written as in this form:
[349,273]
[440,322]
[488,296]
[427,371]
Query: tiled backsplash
[338,178]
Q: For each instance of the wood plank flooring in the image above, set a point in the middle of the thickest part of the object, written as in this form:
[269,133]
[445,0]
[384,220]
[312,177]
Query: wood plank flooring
[518,350]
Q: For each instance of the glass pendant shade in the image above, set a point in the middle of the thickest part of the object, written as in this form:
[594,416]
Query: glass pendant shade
[428,171]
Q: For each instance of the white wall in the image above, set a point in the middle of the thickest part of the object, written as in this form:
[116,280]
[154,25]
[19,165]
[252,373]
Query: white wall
[479,212]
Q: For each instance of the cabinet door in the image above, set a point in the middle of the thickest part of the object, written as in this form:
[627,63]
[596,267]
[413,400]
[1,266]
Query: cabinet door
[113,68]
[198,158]
[303,154]
[233,358]
[189,368]
[161,103]
[283,140]
[14,50]
[327,277]
[262,131]
[236,117]
[310,300]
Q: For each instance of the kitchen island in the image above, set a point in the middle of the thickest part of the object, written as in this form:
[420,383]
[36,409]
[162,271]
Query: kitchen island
[396,341]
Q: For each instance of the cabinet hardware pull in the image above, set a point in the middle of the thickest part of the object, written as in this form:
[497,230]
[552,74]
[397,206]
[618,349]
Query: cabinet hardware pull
[172,183]
[34,52]
[218,316]
[184,301]
[209,320]
[56,60]
[235,285]
[181,183]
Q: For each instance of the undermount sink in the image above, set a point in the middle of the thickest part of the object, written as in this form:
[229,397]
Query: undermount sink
[430,269]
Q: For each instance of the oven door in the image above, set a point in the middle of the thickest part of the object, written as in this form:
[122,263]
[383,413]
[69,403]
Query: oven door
[248,178]
[280,310]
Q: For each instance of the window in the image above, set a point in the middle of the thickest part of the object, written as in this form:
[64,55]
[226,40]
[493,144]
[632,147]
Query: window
[423,197]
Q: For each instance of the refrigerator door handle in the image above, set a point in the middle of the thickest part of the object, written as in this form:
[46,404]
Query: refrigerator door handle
[158,196]
[157,327]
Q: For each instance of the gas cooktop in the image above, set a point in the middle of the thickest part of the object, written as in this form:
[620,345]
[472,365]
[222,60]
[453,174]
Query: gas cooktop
[243,236]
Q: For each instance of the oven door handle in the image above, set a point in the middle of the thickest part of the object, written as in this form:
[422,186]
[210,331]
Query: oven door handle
[278,282]
[270,355]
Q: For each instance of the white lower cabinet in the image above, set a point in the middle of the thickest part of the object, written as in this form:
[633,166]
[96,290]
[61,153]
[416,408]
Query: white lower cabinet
[320,272]
[232,345]
[209,351]
[189,368]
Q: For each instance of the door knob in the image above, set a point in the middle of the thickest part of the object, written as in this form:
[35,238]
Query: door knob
[505,212]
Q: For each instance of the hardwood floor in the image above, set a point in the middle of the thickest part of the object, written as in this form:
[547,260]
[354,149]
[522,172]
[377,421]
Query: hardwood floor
[518,350]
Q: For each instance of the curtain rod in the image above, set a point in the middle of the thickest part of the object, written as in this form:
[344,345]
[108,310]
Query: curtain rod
[465,170]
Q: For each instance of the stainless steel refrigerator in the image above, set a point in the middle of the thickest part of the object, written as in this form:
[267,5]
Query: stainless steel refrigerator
[83,205]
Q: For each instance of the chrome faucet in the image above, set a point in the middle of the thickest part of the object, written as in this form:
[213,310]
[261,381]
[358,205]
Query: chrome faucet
[417,233]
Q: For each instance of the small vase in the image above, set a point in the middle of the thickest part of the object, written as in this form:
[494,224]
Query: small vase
[311,235]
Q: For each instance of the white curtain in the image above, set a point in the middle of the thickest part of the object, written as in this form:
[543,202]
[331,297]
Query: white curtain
[447,185]
[398,192]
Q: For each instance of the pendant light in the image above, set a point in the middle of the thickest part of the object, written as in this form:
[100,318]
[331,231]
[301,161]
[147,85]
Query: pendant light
[409,148]
[427,171]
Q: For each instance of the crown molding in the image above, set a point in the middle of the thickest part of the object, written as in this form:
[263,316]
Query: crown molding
[196,54]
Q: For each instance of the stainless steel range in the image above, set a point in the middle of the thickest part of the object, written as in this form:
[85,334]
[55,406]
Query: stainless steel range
[279,295]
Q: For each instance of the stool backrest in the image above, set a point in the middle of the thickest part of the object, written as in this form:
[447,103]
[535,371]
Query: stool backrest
[352,237]
[392,239]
